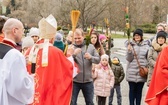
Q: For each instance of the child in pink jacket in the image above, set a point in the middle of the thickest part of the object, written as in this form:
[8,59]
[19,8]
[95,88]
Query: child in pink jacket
[103,80]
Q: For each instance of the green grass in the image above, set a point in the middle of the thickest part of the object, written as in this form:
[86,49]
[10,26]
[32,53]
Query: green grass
[122,36]
[119,36]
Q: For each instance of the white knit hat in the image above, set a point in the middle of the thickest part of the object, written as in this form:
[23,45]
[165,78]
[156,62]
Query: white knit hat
[47,27]
[27,42]
[105,56]
[34,32]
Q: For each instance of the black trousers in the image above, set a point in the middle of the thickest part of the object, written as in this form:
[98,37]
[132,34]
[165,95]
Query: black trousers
[101,100]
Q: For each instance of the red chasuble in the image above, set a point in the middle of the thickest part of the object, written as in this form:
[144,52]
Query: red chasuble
[157,93]
[54,82]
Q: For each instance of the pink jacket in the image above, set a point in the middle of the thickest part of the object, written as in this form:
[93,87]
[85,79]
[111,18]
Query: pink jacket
[104,81]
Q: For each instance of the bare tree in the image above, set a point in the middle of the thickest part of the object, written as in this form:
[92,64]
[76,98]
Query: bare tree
[92,11]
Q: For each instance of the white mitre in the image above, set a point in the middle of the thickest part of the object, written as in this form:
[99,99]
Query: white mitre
[48,27]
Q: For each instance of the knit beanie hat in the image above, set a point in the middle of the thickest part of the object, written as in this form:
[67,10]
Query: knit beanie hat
[104,56]
[58,37]
[27,42]
[161,34]
[138,31]
[102,36]
[34,32]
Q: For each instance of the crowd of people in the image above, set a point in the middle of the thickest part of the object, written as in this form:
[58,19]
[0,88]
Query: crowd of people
[51,69]
[147,54]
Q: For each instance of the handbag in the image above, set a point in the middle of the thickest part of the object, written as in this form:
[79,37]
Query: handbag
[143,71]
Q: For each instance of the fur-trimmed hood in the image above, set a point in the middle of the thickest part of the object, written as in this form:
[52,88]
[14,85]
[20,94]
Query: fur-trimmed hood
[158,47]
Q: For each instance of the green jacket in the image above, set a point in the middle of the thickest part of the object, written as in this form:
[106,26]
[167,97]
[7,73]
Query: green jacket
[59,44]
[118,73]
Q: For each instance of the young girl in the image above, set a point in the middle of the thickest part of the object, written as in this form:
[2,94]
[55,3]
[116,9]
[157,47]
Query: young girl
[95,41]
[98,46]
[104,80]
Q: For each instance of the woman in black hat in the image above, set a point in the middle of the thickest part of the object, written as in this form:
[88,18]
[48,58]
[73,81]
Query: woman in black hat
[136,82]
[157,45]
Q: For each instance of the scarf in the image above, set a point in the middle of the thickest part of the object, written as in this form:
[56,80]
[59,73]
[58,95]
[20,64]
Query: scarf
[79,46]
[104,67]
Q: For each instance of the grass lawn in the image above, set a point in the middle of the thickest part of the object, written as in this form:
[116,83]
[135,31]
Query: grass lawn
[122,36]
[119,36]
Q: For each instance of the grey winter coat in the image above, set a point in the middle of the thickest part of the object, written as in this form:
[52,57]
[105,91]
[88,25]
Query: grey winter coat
[85,65]
[132,71]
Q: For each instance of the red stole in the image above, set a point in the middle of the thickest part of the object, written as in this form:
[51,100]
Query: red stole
[159,82]
[6,42]
[54,82]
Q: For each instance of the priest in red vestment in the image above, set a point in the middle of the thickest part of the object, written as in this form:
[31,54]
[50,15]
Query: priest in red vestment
[158,90]
[53,71]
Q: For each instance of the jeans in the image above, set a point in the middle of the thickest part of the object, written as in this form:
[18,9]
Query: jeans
[135,92]
[87,90]
[118,92]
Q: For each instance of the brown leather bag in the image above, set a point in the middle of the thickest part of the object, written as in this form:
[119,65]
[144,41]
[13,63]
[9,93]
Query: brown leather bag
[143,71]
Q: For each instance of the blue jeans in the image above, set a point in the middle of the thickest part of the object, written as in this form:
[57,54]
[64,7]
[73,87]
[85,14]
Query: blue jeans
[118,92]
[87,90]
[135,92]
